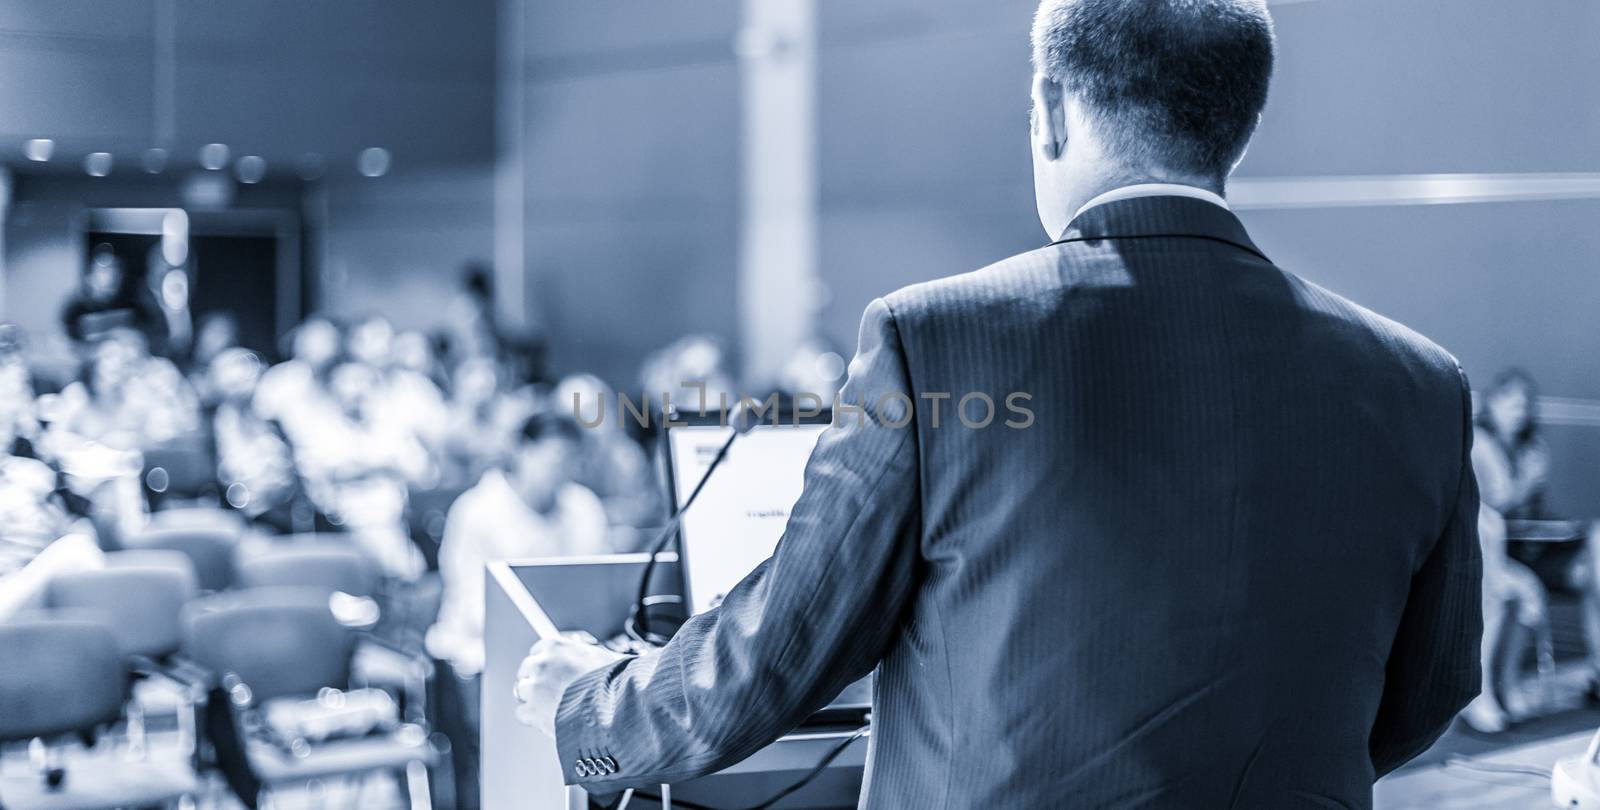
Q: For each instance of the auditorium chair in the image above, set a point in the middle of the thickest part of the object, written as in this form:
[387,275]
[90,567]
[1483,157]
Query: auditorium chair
[281,653]
[141,595]
[62,682]
[210,548]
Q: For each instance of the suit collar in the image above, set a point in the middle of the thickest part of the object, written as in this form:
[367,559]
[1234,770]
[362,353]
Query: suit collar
[1144,217]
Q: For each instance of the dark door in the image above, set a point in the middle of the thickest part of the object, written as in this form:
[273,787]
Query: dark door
[237,274]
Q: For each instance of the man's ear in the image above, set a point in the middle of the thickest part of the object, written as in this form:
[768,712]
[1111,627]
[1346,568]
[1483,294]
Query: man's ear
[1245,150]
[1049,116]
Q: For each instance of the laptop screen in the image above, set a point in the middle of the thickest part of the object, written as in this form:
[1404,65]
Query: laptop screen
[736,522]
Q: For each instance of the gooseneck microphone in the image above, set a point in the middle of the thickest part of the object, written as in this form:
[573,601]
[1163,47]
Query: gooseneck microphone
[742,420]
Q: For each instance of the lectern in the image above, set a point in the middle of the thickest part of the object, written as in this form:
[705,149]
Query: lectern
[533,599]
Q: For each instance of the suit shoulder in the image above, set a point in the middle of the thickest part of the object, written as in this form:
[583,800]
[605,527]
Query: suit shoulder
[1009,282]
[1391,336]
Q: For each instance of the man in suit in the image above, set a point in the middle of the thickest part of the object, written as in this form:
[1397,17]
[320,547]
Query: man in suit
[1229,561]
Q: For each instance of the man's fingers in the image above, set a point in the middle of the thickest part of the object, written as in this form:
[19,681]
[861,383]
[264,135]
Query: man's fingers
[530,665]
[537,660]
[525,716]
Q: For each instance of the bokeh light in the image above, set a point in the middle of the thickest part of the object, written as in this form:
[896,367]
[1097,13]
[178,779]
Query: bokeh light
[39,150]
[373,161]
[97,164]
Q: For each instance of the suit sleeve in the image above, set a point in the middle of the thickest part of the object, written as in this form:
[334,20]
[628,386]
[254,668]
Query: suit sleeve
[1433,668]
[786,640]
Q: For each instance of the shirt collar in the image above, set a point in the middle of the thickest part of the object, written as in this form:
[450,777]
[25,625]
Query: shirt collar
[1153,190]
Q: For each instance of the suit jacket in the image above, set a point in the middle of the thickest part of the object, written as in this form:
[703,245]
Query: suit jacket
[1229,559]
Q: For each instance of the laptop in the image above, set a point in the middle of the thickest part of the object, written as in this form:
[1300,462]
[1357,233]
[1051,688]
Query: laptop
[741,513]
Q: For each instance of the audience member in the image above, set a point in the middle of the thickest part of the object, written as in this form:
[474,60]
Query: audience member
[610,463]
[356,467]
[473,327]
[108,300]
[290,389]
[532,509]
[254,462]
[1512,462]
[692,373]
[479,424]
[218,332]
[408,400]
[38,535]
[19,423]
[126,398]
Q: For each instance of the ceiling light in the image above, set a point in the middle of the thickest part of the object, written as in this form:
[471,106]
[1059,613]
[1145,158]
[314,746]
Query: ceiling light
[373,162]
[39,150]
[155,160]
[214,156]
[250,169]
[97,164]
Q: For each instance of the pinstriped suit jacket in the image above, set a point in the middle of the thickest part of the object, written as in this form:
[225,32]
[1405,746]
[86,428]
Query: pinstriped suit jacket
[1232,561]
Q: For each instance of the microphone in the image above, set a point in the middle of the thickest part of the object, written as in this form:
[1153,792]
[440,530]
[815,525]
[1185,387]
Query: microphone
[743,419]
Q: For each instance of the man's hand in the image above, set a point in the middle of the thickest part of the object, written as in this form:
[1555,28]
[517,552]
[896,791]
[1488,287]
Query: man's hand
[551,666]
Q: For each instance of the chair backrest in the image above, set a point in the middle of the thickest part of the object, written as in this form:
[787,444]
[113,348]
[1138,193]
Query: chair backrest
[278,641]
[141,599]
[313,564]
[198,517]
[209,549]
[58,676]
[183,467]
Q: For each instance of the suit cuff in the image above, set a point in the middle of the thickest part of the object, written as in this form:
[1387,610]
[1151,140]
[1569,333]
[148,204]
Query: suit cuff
[580,739]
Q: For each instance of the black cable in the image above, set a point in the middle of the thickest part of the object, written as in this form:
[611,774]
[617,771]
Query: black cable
[816,771]
[636,624]
[799,784]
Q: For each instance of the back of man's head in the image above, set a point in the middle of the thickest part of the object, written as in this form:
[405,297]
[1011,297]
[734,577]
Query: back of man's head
[1174,84]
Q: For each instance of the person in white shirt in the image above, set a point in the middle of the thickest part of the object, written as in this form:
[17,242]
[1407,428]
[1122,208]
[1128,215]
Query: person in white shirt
[38,538]
[290,389]
[532,509]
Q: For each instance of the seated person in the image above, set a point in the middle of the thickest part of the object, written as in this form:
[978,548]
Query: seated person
[355,465]
[613,465]
[217,333]
[409,398]
[1512,462]
[480,422]
[38,537]
[300,384]
[125,402]
[532,509]
[108,299]
[18,420]
[254,463]
[126,398]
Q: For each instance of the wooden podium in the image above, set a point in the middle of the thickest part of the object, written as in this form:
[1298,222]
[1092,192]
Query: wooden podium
[533,599]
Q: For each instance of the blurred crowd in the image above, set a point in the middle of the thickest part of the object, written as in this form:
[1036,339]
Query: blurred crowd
[356,423]
[427,453]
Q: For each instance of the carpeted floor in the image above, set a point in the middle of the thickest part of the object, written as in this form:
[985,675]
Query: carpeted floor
[1461,741]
